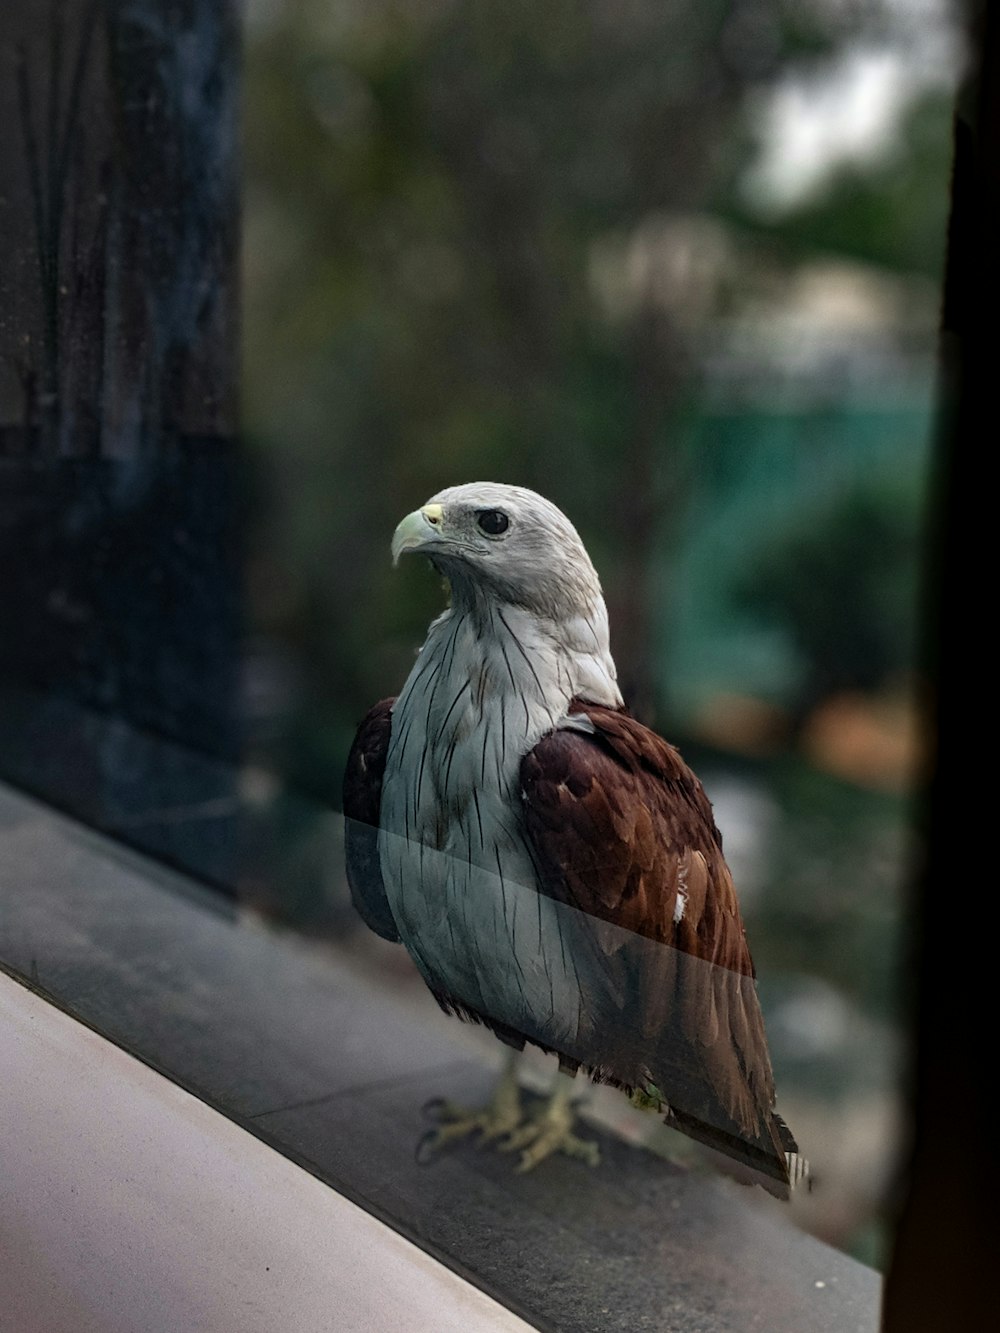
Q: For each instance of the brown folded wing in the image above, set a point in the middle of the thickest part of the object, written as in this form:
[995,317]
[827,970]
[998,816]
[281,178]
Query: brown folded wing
[623,834]
[362,798]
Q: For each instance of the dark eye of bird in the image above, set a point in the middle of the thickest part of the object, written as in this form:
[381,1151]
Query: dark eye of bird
[493,521]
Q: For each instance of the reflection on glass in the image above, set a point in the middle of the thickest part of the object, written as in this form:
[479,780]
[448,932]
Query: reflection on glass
[120,630]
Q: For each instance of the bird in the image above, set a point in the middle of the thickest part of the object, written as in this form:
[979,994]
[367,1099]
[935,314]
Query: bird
[550,863]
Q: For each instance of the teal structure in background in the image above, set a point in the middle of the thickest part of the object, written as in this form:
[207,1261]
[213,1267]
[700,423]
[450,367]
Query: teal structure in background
[757,477]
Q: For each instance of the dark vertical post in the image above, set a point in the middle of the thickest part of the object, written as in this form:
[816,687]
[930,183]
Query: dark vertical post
[942,1273]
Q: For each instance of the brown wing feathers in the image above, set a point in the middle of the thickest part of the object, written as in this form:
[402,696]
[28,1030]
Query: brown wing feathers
[622,831]
[623,826]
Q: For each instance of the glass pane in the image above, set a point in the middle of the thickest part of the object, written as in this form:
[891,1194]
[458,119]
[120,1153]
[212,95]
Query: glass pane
[675,268]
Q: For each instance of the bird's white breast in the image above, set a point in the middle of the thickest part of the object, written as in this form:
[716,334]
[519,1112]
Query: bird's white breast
[456,868]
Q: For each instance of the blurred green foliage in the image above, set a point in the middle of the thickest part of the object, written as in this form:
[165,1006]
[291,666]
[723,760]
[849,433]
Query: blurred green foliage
[892,212]
[833,897]
[430,189]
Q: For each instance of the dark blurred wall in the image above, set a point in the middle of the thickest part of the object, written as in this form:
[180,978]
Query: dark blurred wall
[119,543]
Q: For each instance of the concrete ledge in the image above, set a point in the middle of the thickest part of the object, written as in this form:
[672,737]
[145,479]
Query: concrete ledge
[307,1051]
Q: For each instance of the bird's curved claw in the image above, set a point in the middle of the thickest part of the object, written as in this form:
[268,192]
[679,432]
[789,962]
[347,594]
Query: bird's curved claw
[453,1123]
[550,1132]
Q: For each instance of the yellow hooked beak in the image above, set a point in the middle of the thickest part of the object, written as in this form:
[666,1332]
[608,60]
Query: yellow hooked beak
[417,530]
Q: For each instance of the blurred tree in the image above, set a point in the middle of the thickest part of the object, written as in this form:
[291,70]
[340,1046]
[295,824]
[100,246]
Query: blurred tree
[887,214]
[434,191]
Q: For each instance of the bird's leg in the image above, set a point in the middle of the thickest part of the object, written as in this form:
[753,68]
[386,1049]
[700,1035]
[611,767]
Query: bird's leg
[550,1130]
[500,1116]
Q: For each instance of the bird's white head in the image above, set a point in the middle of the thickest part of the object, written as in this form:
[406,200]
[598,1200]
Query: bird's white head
[507,544]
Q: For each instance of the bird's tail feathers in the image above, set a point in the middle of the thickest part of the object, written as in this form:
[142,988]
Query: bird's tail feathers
[751,1161]
[799,1173]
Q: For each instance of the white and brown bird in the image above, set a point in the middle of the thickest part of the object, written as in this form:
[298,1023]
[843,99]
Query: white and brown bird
[552,865]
